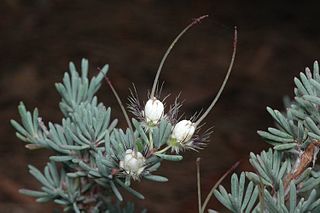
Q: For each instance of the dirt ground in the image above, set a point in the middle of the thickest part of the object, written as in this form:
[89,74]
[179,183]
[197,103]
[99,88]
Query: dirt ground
[38,38]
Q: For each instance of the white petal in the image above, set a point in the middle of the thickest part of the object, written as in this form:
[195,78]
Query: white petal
[153,110]
[183,130]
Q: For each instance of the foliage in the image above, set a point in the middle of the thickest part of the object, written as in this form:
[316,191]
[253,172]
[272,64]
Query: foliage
[287,177]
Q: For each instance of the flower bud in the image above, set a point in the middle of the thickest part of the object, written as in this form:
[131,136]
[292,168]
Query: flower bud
[183,131]
[153,111]
[133,163]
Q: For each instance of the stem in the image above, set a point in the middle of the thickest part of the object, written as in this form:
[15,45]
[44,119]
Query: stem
[261,195]
[150,139]
[163,150]
[195,21]
[225,78]
[124,112]
[199,184]
[217,184]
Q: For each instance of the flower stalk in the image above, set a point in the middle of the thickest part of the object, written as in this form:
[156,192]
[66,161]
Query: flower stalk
[155,82]
[163,150]
[204,115]
[124,112]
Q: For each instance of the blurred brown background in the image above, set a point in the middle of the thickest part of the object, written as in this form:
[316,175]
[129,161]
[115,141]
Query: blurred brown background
[38,38]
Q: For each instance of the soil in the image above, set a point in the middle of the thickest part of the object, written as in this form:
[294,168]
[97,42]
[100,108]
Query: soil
[277,39]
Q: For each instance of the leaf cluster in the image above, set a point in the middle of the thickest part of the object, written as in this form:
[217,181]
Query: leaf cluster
[285,178]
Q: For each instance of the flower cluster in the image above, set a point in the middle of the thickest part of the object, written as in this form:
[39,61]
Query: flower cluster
[184,134]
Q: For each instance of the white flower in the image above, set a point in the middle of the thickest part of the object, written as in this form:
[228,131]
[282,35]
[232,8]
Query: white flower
[133,163]
[153,111]
[183,131]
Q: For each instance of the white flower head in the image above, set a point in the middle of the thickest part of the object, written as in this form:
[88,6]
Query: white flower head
[184,136]
[153,110]
[133,163]
[183,131]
